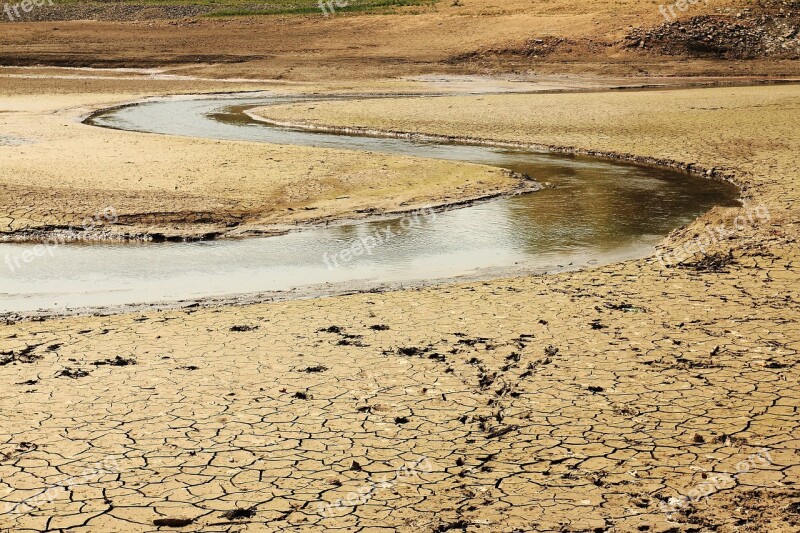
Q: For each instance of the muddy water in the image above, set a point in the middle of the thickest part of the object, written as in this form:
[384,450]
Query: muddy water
[596,212]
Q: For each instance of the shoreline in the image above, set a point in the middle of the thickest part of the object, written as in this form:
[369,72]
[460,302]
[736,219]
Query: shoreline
[42,234]
[277,208]
[322,291]
[599,399]
[342,288]
[644,161]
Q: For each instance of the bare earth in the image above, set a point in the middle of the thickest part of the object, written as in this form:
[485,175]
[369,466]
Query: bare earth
[576,402]
[643,396]
[56,172]
[468,36]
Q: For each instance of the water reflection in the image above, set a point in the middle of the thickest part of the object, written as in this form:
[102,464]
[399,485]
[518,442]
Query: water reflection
[596,212]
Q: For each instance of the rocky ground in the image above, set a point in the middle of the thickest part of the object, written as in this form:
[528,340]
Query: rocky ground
[768,29]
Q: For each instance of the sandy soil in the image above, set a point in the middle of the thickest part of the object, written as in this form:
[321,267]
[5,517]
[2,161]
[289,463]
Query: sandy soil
[757,121]
[414,40]
[55,172]
[643,396]
[604,400]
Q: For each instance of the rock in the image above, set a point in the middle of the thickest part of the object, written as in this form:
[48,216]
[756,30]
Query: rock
[244,328]
[117,361]
[239,514]
[70,373]
[747,35]
[315,369]
[173,522]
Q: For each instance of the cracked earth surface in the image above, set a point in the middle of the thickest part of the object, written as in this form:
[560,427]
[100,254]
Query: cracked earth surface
[584,401]
[577,405]
[62,172]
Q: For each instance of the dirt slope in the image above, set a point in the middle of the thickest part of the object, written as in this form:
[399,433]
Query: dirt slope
[560,36]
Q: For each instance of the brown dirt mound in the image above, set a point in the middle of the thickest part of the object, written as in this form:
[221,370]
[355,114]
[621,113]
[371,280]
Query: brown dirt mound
[767,31]
[544,47]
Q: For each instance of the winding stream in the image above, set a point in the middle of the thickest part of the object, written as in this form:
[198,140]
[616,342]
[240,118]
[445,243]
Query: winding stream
[596,212]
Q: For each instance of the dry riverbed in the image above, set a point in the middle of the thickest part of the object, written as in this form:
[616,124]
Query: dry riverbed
[643,396]
[55,172]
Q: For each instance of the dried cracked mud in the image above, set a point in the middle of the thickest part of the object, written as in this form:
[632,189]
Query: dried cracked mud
[629,397]
[63,172]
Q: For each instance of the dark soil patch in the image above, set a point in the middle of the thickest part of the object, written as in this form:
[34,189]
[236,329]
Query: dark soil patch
[712,263]
[315,369]
[239,514]
[25,355]
[172,522]
[240,329]
[72,373]
[117,361]
[768,29]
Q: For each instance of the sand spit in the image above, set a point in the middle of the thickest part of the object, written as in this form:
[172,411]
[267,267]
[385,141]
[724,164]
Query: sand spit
[165,188]
[609,125]
[642,396]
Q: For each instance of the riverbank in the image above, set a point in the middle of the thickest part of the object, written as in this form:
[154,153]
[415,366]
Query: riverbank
[651,395]
[627,38]
[591,124]
[58,177]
